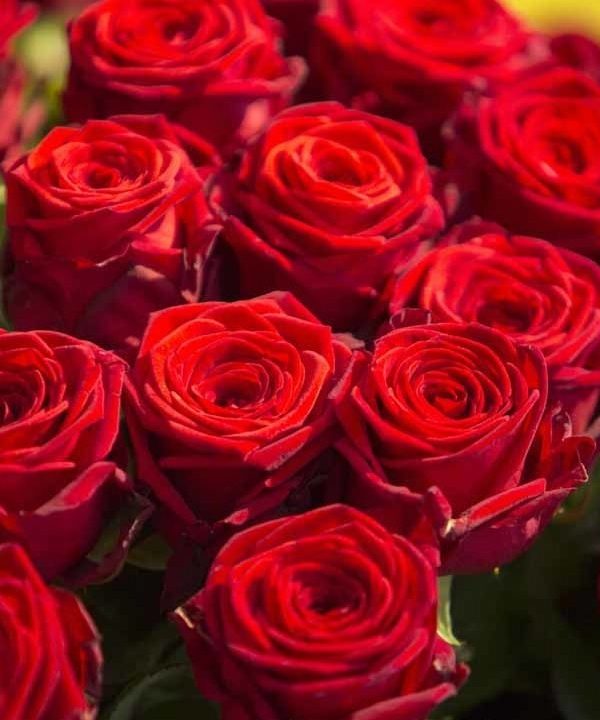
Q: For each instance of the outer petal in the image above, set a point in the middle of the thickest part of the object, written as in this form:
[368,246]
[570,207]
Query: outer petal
[60,533]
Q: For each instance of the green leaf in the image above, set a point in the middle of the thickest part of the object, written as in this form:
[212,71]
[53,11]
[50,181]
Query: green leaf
[151,553]
[44,51]
[168,694]
[575,672]
[444,610]
[481,619]
[137,639]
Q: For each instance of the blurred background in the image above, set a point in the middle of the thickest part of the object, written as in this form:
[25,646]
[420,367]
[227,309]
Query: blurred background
[560,15]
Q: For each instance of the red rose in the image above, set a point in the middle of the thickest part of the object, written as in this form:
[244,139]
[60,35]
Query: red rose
[456,415]
[413,60]
[330,200]
[212,66]
[535,293]
[50,648]
[227,406]
[324,616]
[59,419]
[107,223]
[530,158]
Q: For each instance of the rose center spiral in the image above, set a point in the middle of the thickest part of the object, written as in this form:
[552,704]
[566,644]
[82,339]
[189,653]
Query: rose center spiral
[181,30]
[324,595]
[15,401]
[234,385]
[565,153]
[449,397]
[506,314]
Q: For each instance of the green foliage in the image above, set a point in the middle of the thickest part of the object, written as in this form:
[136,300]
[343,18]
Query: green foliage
[167,694]
[444,610]
[531,631]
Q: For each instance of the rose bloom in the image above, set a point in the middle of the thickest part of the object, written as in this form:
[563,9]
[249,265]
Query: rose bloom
[528,289]
[52,663]
[59,420]
[324,616]
[529,158]
[455,416]
[228,405]
[107,223]
[413,60]
[325,203]
[212,65]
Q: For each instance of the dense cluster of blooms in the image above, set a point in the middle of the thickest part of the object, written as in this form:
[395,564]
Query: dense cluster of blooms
[313,284]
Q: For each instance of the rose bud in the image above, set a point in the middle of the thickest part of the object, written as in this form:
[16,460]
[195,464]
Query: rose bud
[414,60]
[228,405]
[52,662]
[456,415]
[213,67]
[107,223]
[530,158]
[325,204]
[528,289]
[59,420]
[324,616]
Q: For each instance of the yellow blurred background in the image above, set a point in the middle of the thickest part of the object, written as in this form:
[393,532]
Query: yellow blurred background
[560,15]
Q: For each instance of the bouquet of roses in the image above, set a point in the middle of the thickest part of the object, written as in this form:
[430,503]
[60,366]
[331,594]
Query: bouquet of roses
[300,362]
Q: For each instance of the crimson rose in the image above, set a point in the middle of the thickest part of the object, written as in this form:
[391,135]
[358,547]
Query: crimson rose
[211,65]
[330,200]
[456,416]
[59,419]
[536,293]
[51,668]
[529,158]
[228,403]
[107,223]
[324,616]
[413,60]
